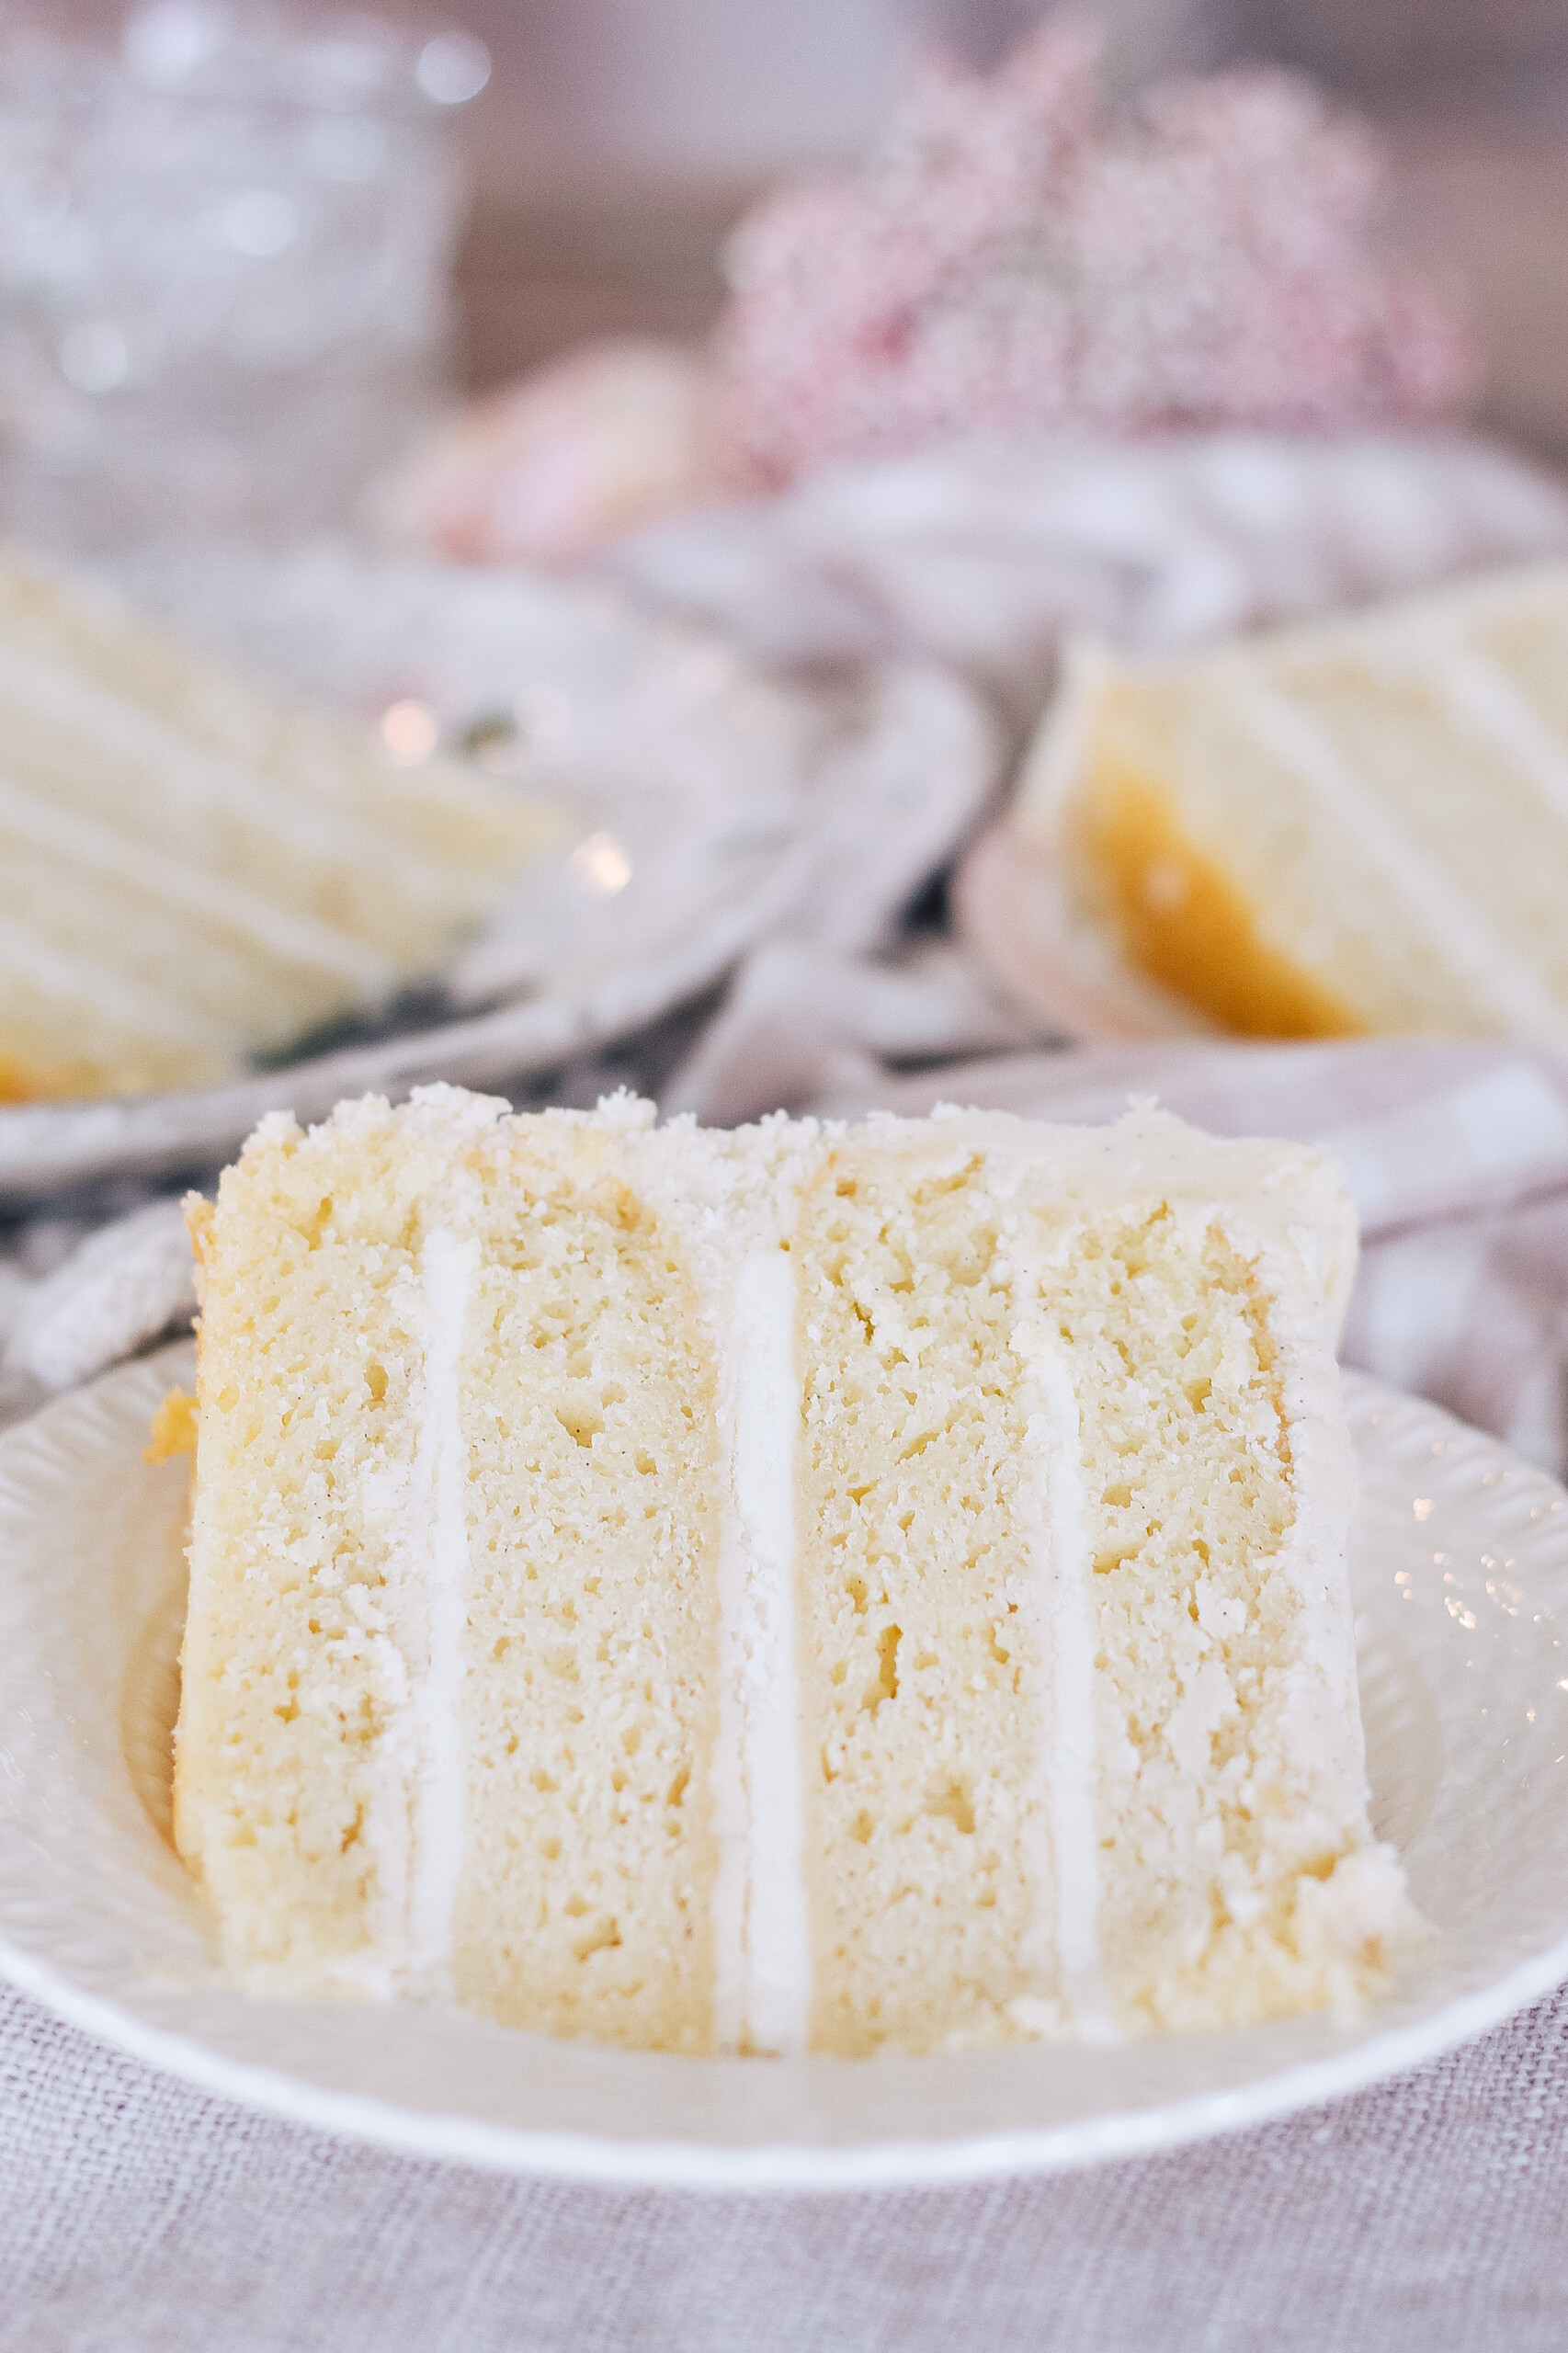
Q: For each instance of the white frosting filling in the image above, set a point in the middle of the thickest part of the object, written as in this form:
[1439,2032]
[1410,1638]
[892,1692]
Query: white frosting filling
[437,1798]
[1065,1780]
[762,1957]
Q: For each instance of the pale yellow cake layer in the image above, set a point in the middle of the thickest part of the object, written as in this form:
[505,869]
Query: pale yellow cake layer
[588,1411]
[217,969]
[576,1737]
[168,826]
[90,1031]
[1529,640]
[1203,1551]
[333,864]
[1208,1816]
[309,1391]
[435,807]
[1461,801]
[1359,826]
[923,1639]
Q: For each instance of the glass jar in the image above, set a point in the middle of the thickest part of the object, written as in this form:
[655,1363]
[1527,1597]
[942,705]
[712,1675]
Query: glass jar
[225,264]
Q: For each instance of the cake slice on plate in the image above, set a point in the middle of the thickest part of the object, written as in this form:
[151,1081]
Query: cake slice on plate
[802,1588]
[1358,827]
[194,873]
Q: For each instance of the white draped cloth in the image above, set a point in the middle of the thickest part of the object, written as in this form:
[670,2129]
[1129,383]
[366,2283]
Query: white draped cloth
[1422,2217]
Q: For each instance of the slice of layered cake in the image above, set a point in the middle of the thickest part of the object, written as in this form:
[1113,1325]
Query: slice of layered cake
[193,873]
[801,1588]
[1358,827]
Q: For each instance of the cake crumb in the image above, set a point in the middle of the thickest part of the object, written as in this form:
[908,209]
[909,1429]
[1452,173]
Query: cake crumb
[174,1428]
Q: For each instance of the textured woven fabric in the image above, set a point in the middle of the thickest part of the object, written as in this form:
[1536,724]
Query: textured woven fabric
[1422,2217]
[1426,2214]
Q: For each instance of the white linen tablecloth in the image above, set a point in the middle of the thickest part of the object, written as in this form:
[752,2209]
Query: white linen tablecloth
[1425,2216]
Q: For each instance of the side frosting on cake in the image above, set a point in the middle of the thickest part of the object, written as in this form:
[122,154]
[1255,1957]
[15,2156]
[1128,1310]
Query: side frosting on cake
[806,1588]
[1355,828]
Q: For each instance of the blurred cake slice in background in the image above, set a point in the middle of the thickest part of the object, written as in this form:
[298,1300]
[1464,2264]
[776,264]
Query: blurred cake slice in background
[1358,828]
[193,874]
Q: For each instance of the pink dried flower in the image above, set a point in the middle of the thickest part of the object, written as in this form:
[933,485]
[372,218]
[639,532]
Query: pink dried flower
[1006,262]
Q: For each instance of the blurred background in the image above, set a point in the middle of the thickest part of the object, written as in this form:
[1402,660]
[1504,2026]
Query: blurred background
[583,160]
[615,144]
[455,368]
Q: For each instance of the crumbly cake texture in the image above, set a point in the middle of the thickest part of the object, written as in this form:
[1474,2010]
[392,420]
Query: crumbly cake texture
[191,873]
[1348,829]
[805,1588]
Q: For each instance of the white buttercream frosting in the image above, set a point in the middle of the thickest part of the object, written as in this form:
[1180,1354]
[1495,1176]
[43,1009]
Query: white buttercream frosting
[732,1199]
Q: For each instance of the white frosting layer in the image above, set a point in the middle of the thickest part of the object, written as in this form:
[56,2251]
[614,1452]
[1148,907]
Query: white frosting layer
[763,1954]
[437,1797]
[731,1198]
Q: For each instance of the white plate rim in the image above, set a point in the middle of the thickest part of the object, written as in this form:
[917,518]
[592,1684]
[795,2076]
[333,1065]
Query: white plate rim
[810,2166]
[782,2167]
[1011,909]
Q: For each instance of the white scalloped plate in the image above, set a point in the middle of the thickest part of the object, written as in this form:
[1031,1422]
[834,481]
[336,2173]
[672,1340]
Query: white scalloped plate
[1460,1568]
